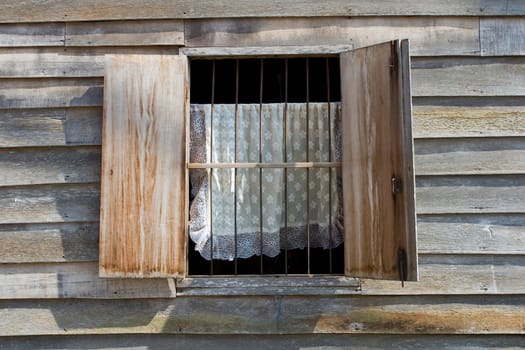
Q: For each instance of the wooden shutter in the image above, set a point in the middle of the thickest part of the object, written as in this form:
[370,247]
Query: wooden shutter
[378,170]
[143,196]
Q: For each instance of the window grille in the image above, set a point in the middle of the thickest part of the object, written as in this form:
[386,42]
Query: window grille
[267,84]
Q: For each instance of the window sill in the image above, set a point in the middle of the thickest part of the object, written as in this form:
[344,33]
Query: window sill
[267,285]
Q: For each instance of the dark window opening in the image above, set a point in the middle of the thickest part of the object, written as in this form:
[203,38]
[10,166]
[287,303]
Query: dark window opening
[259,82]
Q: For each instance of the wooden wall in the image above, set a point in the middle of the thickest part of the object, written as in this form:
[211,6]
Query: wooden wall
[468,71]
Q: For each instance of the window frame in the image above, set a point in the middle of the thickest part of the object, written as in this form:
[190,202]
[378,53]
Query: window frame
[262,285]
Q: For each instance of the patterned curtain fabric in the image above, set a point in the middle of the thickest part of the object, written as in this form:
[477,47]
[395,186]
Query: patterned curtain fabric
[224,192]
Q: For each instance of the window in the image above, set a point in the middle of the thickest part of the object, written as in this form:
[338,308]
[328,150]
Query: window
[145,199]
[265,157]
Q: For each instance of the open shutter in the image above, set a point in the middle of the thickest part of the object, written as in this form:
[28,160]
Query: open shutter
[378,171]
[143,195]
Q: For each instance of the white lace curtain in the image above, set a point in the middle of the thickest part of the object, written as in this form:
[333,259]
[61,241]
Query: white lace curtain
[284,198]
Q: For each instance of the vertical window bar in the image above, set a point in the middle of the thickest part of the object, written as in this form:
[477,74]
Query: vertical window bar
[210,174]
[260,169]
[235,170]
[308,159]
[285,133]
[329,169]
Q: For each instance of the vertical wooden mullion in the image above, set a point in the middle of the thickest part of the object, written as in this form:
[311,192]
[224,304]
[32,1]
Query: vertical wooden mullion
[260,169]
[308,159]
[210,174]
[235,161]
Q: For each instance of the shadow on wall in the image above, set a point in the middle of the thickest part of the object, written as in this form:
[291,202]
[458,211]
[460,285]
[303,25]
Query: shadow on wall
[275,342]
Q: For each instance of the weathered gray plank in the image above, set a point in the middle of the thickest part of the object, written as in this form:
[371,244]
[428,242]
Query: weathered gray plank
[76,10]
[471,234]
[470,156]
[75,280]
[49,203]
[458,275]
[267,315]
[468,76]
[264,51]
[267,341]
[429,36]
[439,275]
[122,33]
[437,234]
[50,93]
[470,194]
[502,36]
[38,34]
[431,77]
[49,166]
[21,166]
[27,243]
[434,194]
[473,117]
[80,280]
[82,126]
[50,127]
[64,62]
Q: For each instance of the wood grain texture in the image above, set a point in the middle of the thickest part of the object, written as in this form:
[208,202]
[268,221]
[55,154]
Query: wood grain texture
[449,275]
[49,166]
[76,10]
[267,315]
[502,36]
[469,76]
[65,62]
[82,126]
[267,341]
[264,51]
[75,280]
[470,194]
[143,191]
[431,77]
[470,156]
[437,234]
[471,234]
[50,93]
[45,243]
[50,203]
[377,146]
[37,34]
[473,117]
[429,36]
[50,127]
[501,194]
[123,33]
[439,275]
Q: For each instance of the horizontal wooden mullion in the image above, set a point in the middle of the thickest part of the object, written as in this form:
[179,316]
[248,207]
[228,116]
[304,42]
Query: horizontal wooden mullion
[282,165]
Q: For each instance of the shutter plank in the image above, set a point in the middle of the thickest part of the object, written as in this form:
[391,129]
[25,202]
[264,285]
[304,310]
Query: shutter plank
[143,178]
[377,146]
